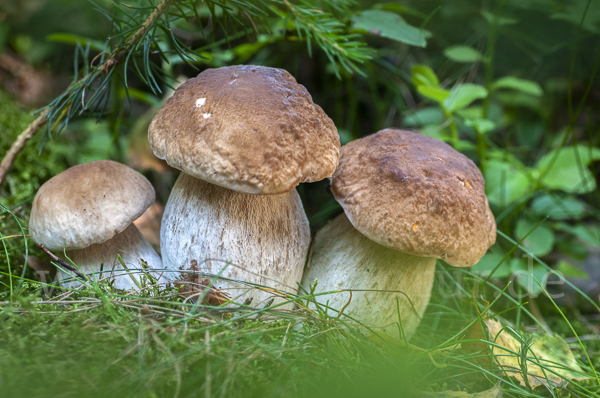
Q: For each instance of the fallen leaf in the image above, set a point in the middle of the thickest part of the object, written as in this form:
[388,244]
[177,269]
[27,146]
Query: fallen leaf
[145,310]
[192,286]
[149,223]
[475,332]
[478,353]
[552,352]
[495,392]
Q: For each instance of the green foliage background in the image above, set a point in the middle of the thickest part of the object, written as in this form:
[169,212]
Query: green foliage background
[512,84]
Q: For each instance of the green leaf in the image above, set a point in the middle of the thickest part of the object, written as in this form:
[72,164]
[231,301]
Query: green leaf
[472,112]
[491,18]
[463,95]
[587,233]
[423,75]
[540,241]
[522,85]
[568,270]
[72,39]
[550,361]
[573,247]
[573,12]
[481,125]
[487,264]
[390,25]
[525,272]
[434,131]
[464,54]
[516,99]
[142,96]
[559,207]
[569,172]
[464,145]
[423,117]
[435,93]
[505,183]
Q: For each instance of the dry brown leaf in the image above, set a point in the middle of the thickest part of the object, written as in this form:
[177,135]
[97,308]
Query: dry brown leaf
[149,223]
[193,286]
[145,310]
[475,332]
[552,353]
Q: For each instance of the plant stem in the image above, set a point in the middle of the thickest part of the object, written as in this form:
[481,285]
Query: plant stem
[116,56]
[489,57]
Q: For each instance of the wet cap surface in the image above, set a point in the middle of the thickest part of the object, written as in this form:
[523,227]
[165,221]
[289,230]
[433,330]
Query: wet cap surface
[415,194]
[252,129]
[87,204]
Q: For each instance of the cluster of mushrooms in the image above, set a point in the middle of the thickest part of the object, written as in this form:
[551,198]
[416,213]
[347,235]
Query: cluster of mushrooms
[244,137]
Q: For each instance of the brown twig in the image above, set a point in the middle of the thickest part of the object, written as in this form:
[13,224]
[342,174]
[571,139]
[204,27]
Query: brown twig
[116,56]
[62,263]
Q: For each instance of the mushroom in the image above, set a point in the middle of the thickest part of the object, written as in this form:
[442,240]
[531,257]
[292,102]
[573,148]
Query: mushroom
[87,211]
[244,137]
[408,200]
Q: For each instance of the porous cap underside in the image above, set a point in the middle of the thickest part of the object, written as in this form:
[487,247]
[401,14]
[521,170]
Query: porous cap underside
[87,204]
[252,129]
[415,194]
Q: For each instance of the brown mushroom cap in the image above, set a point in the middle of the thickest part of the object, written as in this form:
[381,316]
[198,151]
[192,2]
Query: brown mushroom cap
[87,204]
[417,195]
[251,129]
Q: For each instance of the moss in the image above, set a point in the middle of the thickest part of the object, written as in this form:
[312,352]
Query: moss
[35,164]
[30,170]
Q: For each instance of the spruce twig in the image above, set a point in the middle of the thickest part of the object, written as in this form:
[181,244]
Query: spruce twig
[117,56]
[138,37]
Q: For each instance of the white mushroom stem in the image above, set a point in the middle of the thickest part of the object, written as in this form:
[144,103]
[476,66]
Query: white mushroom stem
[343,258]
[133,248]
[261,239]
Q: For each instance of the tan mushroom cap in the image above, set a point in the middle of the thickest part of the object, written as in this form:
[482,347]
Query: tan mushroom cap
[87,204]
[417,195]
[251,129]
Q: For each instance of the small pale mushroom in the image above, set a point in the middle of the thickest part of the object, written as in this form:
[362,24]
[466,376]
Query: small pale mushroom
[244,137]
[87,212]
[408,200]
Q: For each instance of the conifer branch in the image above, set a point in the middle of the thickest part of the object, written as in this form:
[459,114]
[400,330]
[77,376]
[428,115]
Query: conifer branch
[136,38]
[116,56]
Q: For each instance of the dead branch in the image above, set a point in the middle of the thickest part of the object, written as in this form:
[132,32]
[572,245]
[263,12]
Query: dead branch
[63,263]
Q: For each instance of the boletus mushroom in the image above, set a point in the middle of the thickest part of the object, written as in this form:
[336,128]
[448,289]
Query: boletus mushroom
[408,200]
[87,212]
[244,137]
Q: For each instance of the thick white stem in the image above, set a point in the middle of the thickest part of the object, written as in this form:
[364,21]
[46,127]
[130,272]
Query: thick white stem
[343,258]
[132,247]
[261,239]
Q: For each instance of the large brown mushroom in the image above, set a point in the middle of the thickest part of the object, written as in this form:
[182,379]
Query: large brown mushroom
[244,137]
[87,212]
[408,200]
